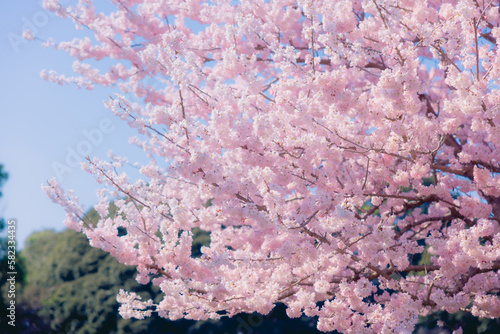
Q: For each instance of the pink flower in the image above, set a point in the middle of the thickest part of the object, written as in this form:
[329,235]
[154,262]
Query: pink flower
[28,34]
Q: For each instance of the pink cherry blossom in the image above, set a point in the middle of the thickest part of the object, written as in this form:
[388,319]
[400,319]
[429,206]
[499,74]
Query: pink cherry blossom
[325,145]
[28,34]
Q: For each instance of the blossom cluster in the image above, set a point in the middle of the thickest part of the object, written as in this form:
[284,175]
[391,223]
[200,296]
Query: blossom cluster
[343,155]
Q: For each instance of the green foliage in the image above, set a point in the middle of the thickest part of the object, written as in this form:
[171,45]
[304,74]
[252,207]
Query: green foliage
[75,286]
[200,238]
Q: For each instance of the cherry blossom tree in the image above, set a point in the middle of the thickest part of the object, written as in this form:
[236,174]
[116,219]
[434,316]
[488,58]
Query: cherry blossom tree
[343,155]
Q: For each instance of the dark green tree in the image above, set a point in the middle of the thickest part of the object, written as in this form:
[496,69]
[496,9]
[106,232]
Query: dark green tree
[75,285]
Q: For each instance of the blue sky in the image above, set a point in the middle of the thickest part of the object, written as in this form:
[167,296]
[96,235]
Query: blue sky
[41,122]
